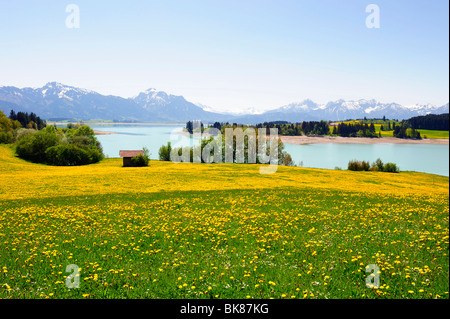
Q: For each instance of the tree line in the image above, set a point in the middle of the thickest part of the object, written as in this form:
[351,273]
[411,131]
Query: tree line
[355,130]
[9,126]
[360,128]
[211,143]
[28,120]
[309,128]
[438,122]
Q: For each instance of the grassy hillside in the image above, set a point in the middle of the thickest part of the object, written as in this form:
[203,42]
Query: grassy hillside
[219,231]
[433,134]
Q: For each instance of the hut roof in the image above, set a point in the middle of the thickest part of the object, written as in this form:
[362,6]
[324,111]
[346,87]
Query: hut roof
[130,153]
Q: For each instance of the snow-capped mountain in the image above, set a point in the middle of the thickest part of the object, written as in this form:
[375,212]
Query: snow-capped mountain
[58,101]
[172,108]
[308,110]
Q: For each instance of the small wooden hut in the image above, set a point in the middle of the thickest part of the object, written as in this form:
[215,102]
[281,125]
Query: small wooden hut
[127,155]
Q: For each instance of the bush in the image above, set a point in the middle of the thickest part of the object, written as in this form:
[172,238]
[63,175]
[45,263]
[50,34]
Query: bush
[287,160]
[353,165]
[141,160]
[67,155]
[6,138]
[95,155]
[391,168]
[71,155]
[376,166]
[51,146]
[33,147]
[21,132]
[358,166]
[365,166]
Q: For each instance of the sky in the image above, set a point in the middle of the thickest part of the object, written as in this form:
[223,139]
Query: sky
[232,55]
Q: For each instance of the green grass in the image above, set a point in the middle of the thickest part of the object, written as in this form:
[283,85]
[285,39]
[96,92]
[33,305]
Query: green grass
[220,231]
[226,244]
[433,134]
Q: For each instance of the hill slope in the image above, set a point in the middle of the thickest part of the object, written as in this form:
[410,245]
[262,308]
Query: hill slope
[219,231]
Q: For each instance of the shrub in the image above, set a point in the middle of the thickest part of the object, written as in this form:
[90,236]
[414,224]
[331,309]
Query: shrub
[377,165]
[67,155]
[21,132]
[141,160]
[365,166]
[391,168]
[354,165]
[6,138]
[95,154]
[33,147]
[51,146]
[287,160]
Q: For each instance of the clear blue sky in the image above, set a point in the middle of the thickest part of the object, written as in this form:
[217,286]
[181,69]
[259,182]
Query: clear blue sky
[232,54]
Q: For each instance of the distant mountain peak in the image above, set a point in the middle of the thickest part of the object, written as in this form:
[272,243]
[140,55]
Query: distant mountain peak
[55,84]
[58,100]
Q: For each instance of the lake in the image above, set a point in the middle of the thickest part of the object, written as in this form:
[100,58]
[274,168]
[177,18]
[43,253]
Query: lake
[427,158]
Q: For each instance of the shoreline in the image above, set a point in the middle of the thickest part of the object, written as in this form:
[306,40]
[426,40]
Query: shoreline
[301,140]
[112,124]
[103,133]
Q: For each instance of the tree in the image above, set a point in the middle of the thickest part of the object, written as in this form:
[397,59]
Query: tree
[28,120]
[189,127]
[164,152]
[287,159]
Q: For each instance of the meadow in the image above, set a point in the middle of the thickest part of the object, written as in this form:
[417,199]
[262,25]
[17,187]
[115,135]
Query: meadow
[431,134]
[220,231]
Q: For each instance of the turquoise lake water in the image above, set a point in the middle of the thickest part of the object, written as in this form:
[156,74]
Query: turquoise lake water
[425,158]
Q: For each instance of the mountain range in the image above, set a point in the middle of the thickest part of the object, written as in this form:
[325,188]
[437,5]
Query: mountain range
[56,101]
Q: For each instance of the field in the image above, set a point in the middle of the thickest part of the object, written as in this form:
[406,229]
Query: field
[423,133]
[220,231]
[433,134]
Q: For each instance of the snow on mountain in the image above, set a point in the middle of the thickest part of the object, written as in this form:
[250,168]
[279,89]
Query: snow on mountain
[56,100]
[297,107]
